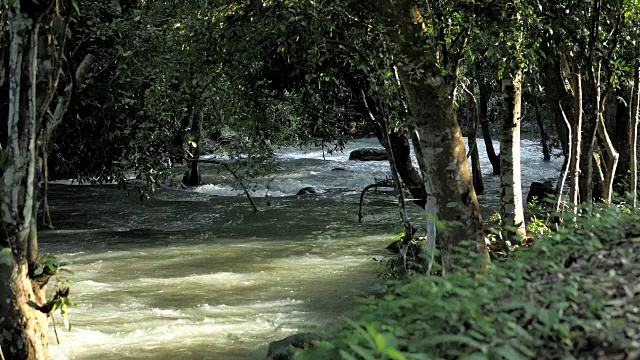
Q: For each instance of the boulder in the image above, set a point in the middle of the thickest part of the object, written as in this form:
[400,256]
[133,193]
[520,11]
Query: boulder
[368,154]
[308,190]
[541,191]
[285,349]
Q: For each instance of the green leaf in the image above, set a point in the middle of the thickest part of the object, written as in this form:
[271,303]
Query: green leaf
[55,306]
[548,317]
[75,6]
[58,25]
[51,268]
[442,339]
[345,355]
[38,271]
[474,356]
[395,354]
[379,340]
[366,354]
[69,302]
[5,256]
[509,353]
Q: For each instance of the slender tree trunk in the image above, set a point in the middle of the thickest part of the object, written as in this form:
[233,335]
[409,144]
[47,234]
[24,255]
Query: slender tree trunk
[634,118]
[478,183]
[23,329]
[510,175]
[397,145]
[622,110]
[192,173]
[612,161]
[543,134]
[589,132]
[565,166]
[476,171]
[593,68]
[576,146]
[485,93]
[559,99]
[382,131]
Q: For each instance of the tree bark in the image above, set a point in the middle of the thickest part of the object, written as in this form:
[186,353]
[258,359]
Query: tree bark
[510,174]
[23,329]
[576,130]
[476,171]
[594,111]
[397,145]
[478,183]
[621,134]
[446,164]
[589,132]
[558,96]
[494,159]
[565,165]
[192,172]
[546,154]
[634,118]
[612,161]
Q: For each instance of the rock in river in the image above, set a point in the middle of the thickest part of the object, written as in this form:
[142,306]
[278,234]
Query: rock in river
[368,154]
[308,190]
[541,191]
[285,349]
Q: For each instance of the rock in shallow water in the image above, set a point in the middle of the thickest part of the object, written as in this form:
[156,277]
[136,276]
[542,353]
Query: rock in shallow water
[368,154]
[285,349]
[308,190]
[541,191]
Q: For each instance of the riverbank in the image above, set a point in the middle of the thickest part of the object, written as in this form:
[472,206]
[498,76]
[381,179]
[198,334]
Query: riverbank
[574,294]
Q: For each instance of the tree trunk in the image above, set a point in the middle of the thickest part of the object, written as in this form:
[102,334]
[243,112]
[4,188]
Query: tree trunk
[476,171]
[478,183]
[192,172]
[441,152]
[565,167]
[397,145]
[510,176]
[593,67]
[485,93]
[612,161]
[589,132]
[634,118]
[558,96]
[576,145]
[441,142]
[23,330]
[546,154]
[621,133]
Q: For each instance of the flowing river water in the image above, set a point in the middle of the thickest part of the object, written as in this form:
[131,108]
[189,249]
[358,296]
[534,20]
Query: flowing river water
[195,274]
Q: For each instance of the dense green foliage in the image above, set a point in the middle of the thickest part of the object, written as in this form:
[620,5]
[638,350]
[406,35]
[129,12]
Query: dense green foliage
[571,295]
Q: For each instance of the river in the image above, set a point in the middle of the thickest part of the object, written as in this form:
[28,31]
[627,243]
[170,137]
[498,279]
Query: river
[196,274]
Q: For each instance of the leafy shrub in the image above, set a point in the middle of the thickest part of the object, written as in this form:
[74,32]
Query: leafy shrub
[571,295]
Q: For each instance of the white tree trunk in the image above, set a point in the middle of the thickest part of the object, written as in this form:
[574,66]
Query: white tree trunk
[510,175]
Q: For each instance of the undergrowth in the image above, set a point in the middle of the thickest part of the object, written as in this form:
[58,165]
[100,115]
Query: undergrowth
[574,294]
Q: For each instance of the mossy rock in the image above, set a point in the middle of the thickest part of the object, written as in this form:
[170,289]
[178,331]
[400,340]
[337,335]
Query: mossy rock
[285,349]
[368,154]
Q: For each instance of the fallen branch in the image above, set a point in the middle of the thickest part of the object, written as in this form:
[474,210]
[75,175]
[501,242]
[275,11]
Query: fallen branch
[233,173]
[383,183]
